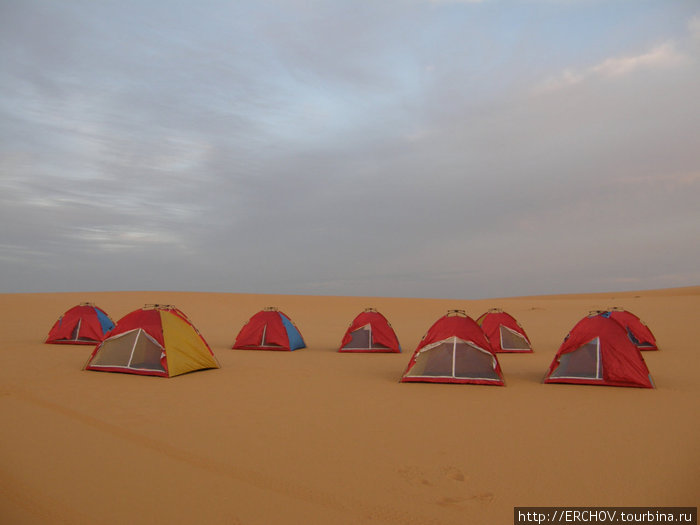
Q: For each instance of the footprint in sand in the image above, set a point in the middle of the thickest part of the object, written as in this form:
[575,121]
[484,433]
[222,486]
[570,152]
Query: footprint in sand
[414,476]
[450,481]
[448,501]
[454,473]
[418,477]
[485,498]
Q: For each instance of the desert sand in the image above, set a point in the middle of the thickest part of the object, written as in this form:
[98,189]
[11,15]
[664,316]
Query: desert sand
[319,437]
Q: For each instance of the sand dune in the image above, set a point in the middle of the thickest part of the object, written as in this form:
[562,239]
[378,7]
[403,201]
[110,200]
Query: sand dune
[315,436]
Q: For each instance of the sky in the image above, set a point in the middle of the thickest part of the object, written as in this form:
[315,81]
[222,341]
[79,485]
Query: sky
[405,148]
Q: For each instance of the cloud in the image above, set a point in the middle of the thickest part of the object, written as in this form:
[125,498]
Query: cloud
[457,1]
[335,147]
[662,56]
[694,27]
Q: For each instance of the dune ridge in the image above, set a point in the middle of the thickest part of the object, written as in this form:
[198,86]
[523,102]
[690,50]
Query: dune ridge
[316,436]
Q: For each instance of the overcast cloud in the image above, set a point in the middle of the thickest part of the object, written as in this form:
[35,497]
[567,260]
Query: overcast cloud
[391,148]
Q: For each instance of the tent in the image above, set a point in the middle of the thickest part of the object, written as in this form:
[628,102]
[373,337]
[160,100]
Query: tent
[638,332]
[597,351]
[370,331]
[454,350]
[503,332]
[156,340]
[269,329]
[85,324]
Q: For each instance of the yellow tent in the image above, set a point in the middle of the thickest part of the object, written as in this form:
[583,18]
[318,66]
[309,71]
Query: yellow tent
[157,340]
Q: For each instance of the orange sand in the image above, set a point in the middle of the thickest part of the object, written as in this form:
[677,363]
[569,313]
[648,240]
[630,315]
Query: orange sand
[318,437]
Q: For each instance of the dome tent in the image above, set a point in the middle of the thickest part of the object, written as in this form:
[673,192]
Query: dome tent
[597,351]
[84,324]
[269,329]
[454,350]
[157,340]
[369,332]
[503,332]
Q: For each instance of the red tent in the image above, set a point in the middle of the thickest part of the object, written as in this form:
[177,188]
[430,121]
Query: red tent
[269,329]
[597,351]
[503,332]
[85,324]
[370,331]
[637,331]
[454,350]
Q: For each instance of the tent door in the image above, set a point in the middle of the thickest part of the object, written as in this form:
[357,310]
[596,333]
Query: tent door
[263,342]
[76,331]
[512,340]
[135,350]
[455,358]
[582,363]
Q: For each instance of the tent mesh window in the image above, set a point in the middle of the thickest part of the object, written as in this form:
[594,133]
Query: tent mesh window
[512,340]
[434,362]
[115,351]
[362,340]
[471,362]
[135,349]
[582,363]
[456,359]
[146,354]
